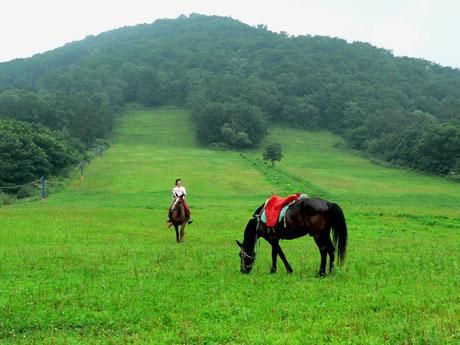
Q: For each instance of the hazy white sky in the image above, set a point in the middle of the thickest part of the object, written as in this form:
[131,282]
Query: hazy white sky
[425,29]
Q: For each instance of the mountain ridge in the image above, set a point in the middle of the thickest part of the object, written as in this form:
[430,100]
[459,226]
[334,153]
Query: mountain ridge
[237,80]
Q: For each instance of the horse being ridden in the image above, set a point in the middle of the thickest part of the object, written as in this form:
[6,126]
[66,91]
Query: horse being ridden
[178,217]
[179,190]
[312,216]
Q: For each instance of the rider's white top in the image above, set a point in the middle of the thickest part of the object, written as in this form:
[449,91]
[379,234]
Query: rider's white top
[178,191]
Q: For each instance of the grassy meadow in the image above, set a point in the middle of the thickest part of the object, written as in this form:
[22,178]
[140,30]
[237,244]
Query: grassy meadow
[96,264]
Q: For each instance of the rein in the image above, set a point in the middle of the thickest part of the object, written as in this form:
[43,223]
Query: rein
[175,202]
[246,255]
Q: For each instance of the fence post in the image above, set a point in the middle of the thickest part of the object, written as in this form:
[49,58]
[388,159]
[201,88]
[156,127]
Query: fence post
[43,188]
[82,165]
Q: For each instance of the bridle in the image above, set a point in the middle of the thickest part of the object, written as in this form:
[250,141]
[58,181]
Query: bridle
[245,255]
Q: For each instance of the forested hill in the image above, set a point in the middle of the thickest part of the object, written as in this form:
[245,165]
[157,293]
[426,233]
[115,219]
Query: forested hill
[237,80]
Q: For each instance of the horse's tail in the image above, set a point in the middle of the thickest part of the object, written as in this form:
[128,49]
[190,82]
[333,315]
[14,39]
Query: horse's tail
[340,232]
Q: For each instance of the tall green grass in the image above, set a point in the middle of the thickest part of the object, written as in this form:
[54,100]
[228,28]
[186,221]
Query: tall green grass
[95,263]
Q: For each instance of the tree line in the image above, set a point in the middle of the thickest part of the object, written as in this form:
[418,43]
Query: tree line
[237,81]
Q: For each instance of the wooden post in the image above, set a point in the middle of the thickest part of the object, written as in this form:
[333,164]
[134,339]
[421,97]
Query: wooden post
[43,188]
[82,165]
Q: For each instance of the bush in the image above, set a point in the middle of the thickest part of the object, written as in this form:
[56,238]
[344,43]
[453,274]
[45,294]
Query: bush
[6,199]
[27,191]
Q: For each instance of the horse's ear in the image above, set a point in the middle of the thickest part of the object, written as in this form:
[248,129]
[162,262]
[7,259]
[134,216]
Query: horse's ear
[239,244]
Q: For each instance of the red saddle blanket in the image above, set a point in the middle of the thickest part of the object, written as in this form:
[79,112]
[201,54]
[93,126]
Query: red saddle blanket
[274,206]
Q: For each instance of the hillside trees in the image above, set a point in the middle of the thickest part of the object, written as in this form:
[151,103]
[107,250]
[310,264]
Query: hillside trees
[235,123]
[416,140]
[84,116]
[237,81]
[43,133]
[438,149]
[29,151]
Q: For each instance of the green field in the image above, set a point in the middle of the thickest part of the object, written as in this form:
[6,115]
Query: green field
[95,263]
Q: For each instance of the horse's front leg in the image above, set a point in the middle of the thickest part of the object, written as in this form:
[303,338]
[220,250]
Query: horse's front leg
[275,247]
[177,233]
[283,258]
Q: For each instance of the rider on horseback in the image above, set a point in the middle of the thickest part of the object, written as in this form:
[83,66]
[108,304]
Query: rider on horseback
[178,191]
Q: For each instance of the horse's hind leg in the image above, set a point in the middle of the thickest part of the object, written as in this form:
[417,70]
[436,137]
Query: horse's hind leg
[330,250]
[182,232]
[321,243]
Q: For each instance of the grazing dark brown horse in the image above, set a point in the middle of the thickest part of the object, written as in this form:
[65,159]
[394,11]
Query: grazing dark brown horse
[312,216]
[178,218]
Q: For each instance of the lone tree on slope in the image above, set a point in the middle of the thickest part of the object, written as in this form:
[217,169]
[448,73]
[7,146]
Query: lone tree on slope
[273,152]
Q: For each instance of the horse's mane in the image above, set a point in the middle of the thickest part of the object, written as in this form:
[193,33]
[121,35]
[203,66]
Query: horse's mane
[250,231]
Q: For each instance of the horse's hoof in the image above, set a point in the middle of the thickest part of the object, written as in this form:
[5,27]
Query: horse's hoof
[321,274]
[290,271]
[273,270]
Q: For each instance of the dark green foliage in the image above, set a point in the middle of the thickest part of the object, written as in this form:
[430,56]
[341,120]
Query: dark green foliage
[28,152]
[236,123]
[438,149]
[414,139]
[273,153]
[236,80]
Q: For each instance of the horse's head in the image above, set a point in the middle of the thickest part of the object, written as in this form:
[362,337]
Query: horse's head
[178,201]
[248,247]
[247,259]
[177,210]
